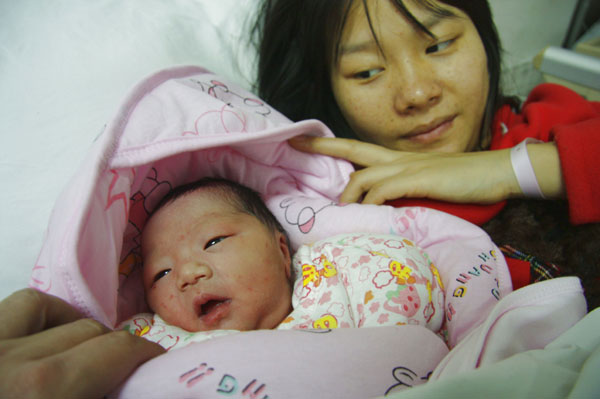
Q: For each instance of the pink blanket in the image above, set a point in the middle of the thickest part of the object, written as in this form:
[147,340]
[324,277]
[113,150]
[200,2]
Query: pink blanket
[185,123]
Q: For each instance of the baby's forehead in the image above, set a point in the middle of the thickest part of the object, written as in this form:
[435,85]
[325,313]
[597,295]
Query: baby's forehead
[191,207]
[208,196]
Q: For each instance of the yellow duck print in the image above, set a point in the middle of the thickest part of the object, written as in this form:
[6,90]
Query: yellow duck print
[436,275]
[329,269]
[401,272]
[141,331]
[310,273]
[377,253]
[325,322]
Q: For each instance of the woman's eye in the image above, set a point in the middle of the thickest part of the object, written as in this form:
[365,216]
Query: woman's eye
[439,47]
[214,241]
[368,74]
[161,274]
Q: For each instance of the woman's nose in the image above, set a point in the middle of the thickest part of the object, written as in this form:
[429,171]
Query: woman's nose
[191,273]
[416,87]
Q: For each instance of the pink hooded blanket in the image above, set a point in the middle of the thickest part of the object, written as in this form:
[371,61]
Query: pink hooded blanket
[185,123]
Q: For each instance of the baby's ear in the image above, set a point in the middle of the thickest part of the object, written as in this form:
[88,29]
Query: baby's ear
[284,248]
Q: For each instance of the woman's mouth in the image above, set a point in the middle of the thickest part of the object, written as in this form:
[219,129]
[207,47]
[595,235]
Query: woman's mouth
[430,132]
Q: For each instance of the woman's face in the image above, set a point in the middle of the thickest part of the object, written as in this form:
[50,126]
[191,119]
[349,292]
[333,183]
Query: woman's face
[413,92]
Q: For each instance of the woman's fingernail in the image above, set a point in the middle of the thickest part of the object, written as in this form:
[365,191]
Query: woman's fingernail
[299,142]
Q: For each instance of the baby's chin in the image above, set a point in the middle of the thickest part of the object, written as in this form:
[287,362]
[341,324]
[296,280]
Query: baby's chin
[237,325]
[221,316]
[216,319]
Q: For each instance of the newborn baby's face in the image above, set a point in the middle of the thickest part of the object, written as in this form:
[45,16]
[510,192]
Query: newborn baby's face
[208,266]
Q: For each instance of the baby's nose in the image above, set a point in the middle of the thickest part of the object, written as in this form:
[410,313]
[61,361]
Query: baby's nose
[191,273]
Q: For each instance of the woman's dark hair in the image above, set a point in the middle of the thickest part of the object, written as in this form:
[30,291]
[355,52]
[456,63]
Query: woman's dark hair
[296,41]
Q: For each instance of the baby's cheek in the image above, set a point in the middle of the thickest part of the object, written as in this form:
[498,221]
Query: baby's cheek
[168,303]
[247,283]
[171,310]
[158,301]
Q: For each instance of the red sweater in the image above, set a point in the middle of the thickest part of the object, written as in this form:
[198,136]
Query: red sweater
[550,113]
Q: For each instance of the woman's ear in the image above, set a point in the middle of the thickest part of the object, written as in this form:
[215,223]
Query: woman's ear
[286,256]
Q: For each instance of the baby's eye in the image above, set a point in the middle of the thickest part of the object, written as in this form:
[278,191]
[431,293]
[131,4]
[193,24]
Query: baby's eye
[368,74]
[214,241]
[439,46]
[161,274]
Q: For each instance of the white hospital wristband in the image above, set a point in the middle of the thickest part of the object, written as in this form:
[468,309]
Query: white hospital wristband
[521,165]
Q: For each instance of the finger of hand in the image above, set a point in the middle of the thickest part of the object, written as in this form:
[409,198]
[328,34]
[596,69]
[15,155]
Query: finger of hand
[364,181]
[54,340]
[96,367]
[28,311]
[354,191]
[357,152]
[436,187]
[91,369]
[461,178]
[385,190]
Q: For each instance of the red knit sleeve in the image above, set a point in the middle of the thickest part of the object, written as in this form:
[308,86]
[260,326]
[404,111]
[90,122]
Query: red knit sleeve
[579,151]
[554,112]
[551,112]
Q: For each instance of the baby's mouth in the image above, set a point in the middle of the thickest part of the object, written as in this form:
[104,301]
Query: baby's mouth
[210,305]
[211,309]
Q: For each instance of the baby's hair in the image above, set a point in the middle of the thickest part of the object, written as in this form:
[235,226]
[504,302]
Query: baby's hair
[243,198]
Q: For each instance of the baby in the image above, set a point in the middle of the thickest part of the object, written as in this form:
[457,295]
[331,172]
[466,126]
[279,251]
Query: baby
[215,258]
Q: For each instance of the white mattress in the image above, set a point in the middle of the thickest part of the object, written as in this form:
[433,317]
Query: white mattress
[64,68]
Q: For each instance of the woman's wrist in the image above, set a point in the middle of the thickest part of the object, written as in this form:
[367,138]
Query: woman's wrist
[511,186]
[546,165]
[523,170]
[536,171]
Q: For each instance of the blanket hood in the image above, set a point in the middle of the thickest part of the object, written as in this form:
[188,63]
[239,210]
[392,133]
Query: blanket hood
[185,123]
[176,126]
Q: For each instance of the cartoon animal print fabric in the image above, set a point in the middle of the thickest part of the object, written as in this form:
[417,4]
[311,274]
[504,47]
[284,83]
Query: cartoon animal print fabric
[365,280]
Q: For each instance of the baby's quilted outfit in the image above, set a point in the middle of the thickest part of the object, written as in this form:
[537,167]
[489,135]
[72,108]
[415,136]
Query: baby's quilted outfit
[350,280]
[365,280]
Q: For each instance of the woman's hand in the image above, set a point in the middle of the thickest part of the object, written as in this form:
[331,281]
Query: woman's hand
[47,350]
[474,177]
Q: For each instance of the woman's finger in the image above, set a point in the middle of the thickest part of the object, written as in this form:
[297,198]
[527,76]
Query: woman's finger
[116,354]
[437,179]
[379,183]
[29,311]
[91,369]
[394,187]
[357,152]
[54,340]
[362,181]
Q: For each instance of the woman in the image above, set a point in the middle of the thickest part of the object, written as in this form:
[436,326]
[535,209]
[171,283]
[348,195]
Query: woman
[413,88]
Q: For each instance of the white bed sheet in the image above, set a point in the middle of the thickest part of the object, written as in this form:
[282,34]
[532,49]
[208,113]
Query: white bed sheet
[64,68]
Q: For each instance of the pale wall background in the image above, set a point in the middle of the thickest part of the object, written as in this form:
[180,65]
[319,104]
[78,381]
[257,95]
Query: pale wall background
[66,65]
[526,27]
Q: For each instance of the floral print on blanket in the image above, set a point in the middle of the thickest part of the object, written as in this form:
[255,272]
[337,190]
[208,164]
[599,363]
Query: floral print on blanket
[155,329]
[365,280]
